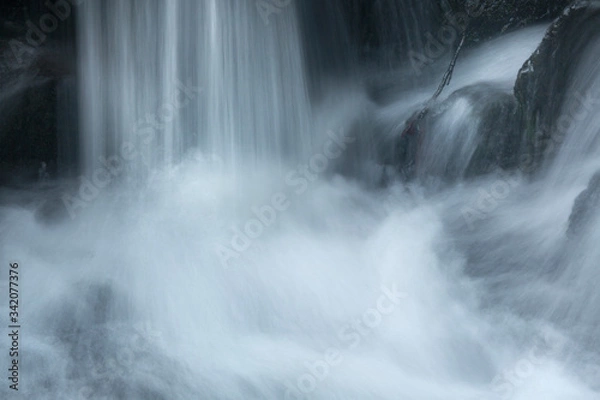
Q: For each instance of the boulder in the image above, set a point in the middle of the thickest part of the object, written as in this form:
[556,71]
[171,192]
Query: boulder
[543,80]
[585,209]
[492,17]
[474,132]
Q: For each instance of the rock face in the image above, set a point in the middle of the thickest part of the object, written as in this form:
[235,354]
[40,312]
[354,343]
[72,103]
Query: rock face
[473,132]
[499,135]
[492,17]
[341,38]
[542,82]
[34,67]
[28,131]
[585,208]
[508,131]
[481,146]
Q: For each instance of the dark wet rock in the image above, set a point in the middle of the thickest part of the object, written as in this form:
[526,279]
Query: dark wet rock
[473,132]
[386,30]
[542,81]
[27,130]
[498,131]
[489,18]
[32,76]
[586,208]
[383,32]
[38,106]
[343,38]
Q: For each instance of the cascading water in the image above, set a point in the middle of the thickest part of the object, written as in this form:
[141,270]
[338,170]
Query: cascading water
[306,284]
[165,77]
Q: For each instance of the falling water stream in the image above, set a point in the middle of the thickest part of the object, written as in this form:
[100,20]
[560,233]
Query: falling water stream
[168,76]
[219,264]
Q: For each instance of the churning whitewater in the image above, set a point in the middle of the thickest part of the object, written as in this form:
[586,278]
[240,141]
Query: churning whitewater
[227,240]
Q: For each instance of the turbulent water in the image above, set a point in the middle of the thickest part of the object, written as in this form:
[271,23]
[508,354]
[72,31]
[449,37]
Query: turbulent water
[232,264]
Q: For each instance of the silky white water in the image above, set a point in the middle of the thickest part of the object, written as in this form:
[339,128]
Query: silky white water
[166,76]
[331,290]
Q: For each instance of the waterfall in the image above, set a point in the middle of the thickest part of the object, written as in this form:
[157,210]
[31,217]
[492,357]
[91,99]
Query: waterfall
[249,226]
[161,78]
